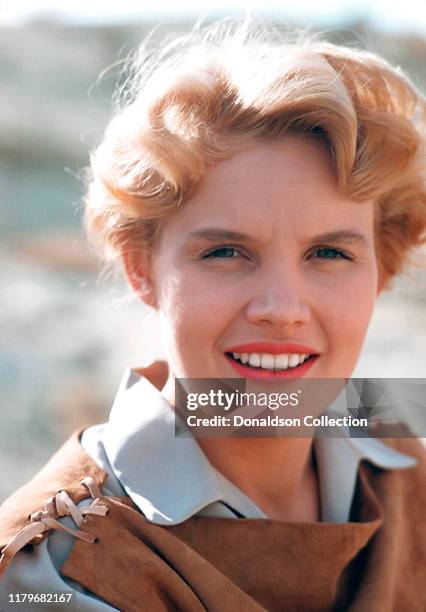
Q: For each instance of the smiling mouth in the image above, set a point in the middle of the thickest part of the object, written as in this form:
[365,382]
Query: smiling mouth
[268,362]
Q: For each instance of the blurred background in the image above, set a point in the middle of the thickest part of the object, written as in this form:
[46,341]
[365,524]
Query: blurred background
[66,334]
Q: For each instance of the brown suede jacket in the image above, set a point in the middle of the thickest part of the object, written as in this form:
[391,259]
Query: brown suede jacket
[376,562]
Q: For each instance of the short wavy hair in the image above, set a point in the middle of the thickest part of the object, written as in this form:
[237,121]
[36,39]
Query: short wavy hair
[223,88]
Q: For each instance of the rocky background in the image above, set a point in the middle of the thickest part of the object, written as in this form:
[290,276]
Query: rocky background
[67,333]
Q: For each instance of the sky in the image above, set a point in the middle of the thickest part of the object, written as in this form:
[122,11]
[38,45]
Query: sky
[396,16]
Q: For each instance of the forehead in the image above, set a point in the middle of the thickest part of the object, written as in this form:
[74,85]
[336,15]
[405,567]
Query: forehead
[286,186]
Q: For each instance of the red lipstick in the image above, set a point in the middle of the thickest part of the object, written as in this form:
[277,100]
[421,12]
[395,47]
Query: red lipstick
[273,348]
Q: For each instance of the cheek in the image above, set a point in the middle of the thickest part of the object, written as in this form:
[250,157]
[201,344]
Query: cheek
[350,305]
[192,310]
[352,321]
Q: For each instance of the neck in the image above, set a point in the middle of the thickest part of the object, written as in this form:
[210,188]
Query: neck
[278,474]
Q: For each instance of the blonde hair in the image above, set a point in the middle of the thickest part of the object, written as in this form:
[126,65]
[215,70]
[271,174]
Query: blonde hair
[223,88]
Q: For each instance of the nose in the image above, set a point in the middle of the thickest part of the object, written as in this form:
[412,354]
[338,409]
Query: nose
[281,299]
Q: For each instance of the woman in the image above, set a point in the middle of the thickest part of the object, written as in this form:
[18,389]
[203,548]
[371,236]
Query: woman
[260,196]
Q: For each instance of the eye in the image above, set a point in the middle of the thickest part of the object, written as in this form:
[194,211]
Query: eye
[329,253]
[225,252]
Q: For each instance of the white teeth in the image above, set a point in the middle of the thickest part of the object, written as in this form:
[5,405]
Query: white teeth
[267,361]
[293,361]
[254,360]
[281,362]
[271,362]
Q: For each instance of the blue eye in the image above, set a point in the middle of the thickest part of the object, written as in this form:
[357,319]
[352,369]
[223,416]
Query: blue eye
[329,253]
[222,253]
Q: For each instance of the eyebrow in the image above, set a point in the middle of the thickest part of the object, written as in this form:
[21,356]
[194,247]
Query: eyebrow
[344,236]
[215,233]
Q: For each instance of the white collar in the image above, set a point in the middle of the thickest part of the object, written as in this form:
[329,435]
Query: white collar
[338,459]
[170,479]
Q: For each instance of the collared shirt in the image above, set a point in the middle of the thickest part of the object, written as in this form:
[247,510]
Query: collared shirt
[170,479]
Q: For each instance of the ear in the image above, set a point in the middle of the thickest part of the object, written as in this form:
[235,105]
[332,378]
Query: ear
[383,283]
[137,266]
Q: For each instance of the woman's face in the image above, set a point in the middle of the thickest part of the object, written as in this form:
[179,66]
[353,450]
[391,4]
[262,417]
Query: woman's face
[266,264]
